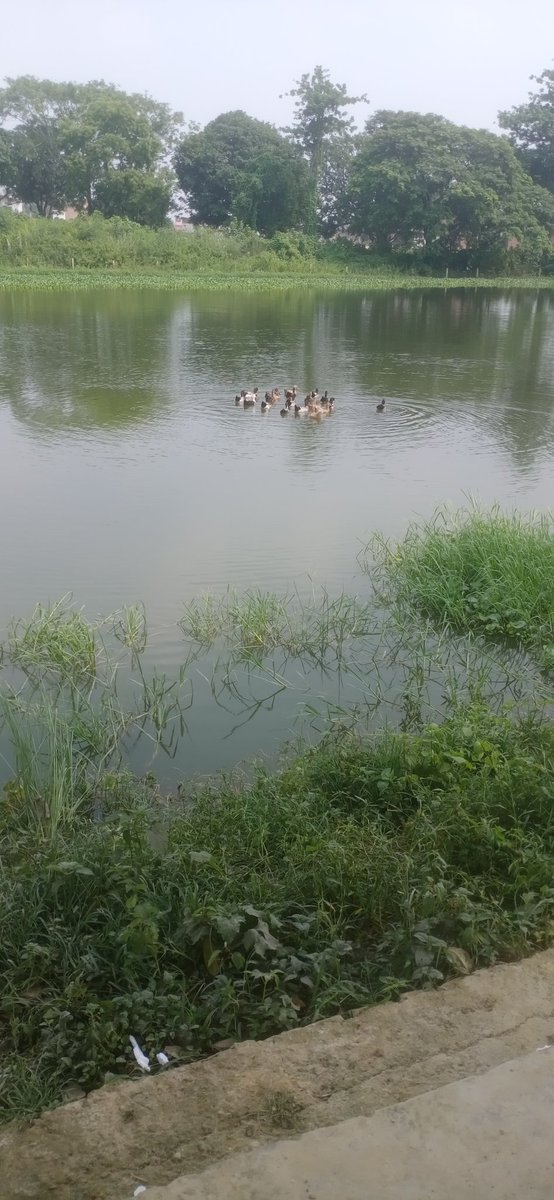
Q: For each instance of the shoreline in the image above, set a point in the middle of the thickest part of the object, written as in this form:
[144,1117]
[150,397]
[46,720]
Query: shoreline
[67,279]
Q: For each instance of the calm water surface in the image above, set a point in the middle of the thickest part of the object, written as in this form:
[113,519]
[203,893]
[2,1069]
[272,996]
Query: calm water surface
[128,473]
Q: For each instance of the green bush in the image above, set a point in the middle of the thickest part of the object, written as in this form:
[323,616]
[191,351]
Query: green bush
[98,243]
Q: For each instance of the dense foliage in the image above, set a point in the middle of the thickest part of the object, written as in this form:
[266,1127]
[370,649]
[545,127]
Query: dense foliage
[414,189]
[242,168]
[446,194]
[119,243]
[531,129]
[90,145]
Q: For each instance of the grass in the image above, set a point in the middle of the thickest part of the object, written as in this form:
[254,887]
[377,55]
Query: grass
[477,572]
[282,1110]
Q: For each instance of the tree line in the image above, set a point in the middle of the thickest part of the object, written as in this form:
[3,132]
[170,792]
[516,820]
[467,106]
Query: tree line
[409,186]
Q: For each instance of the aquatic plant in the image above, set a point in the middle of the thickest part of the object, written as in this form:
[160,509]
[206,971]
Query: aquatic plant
[61,709]
[61,280]
[477,572]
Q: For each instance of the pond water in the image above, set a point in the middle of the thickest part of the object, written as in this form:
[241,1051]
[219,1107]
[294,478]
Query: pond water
[129,474]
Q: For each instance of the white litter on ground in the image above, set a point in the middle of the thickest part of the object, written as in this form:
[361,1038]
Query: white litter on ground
[143,1061]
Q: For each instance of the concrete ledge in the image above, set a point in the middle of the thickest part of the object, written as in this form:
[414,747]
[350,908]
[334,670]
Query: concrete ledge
[490,1135]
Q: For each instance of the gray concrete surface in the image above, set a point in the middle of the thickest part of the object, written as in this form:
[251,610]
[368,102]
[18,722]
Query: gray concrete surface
[489,1136]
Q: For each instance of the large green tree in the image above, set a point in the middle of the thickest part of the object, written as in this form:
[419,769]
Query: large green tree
[75,142]
[446,193]
[33,169]
[323,130]
[241,168]
[531,130]
[114,132]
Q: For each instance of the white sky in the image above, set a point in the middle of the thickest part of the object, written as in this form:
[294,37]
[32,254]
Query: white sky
[465,60]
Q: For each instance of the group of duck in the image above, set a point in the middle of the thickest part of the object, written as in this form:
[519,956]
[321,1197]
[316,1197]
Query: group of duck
[315,404]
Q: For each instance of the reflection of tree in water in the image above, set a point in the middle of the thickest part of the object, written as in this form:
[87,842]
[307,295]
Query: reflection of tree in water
[74,362]
[251,339]
[524,379]
[491,350]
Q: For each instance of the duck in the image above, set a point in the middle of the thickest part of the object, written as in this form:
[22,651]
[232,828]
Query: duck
[250,397]
[288,405]
[291,393]
[265,405]
[381,406]
[320,410]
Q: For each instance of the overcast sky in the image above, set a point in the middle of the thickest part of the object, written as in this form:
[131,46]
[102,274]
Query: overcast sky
[463,60]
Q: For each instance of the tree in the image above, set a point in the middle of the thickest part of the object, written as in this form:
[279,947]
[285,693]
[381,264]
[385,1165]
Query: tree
[5,158]
[34,168]
[323,131]
[446,193]
[140,196]
[67,140]
[531,130]
[241,168]
[333,201]
[113,131]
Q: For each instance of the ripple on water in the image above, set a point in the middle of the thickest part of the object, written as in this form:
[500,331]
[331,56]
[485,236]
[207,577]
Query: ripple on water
[451,422]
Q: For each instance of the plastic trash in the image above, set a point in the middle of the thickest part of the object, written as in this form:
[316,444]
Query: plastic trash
[140,1057]
[162,1058]
[139,1190]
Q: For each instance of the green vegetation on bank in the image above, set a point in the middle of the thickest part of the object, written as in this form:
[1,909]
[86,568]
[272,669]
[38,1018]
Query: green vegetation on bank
[358,872]
[99,252]
[369,865]
[117,251]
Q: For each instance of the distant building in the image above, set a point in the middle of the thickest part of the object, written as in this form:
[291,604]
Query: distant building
[68,214]
[182,225]
[17,206]
[29,210]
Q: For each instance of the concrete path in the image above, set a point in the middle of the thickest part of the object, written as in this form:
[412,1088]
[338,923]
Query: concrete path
[489,1136]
